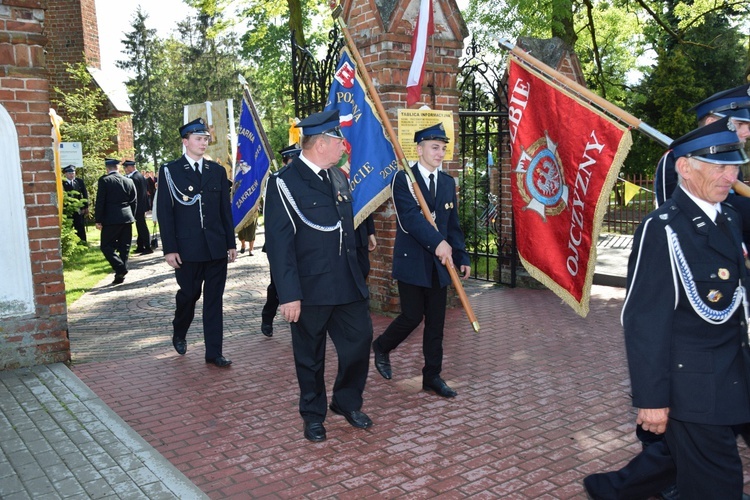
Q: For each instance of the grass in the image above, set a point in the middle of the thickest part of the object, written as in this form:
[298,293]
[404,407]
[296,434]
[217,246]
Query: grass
[85,270]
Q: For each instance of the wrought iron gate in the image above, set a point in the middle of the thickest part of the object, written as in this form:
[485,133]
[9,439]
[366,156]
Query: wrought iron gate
[483,206]
[311,78]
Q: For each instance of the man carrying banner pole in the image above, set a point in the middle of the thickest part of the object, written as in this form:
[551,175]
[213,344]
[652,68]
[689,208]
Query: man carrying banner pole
[403,163]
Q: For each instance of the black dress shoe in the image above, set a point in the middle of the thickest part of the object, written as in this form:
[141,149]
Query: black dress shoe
[119,278]
[355,417]
[221,362]
[266,329]
[382,362]
[439,387]
[315,432]
[147,251]
[180,345]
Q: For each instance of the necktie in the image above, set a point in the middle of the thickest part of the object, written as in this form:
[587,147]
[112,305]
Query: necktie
[197,170]
[433,192]
[324,175]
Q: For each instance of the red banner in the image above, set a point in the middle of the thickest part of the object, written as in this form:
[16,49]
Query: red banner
[564,162]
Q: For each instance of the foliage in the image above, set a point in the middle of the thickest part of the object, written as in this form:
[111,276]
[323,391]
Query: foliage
[83,108]
[148,94]
[71,245]
[652,58]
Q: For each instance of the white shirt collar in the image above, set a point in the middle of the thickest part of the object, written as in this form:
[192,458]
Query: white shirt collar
[426,174]
[193,160]
[310,164]
[710,209]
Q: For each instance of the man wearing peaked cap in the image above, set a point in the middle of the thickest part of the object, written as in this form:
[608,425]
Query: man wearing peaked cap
[311,248]
[116,203]
[686,334]
[77,189]
[734,103]
[268,313]
[289,153]
[143,241]
[197,232]
[421,255]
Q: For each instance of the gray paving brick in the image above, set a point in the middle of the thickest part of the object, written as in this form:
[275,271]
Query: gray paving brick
[20,457]
[30,471]
[69,487]
[20,495]
[99,488]
[85,474]
[129,462]
[76,460]
[101,461]
[157,491]
[142,475]
[9,485]
[39,486]
[39,445]
[47,459]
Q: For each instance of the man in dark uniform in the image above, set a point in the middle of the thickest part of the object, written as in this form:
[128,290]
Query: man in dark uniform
[77,189]
[197,232]
[268,313]
[733,103]
[311,246]
[115,205]
[420,256]
[686,332]
[143,243]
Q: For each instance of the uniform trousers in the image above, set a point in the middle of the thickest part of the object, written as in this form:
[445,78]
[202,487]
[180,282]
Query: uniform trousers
[79,225]
[350,329]
[211,276]
[268,313]
[143,242]
[419,302]
[707,460]
[115,245]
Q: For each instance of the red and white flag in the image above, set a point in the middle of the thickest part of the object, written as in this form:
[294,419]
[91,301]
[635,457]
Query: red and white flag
[565,159]
[425,28]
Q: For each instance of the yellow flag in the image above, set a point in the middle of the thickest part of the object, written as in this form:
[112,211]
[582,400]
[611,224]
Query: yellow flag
[56,139]
[630,191]
[294,132]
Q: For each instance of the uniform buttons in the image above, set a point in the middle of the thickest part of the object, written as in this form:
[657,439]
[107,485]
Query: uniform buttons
[679,365]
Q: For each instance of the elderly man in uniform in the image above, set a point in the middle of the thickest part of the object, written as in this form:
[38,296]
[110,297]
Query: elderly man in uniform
[734,103]
[77,189]
[686,332]
[268,313]
[420,256]
[115,205]
[197,232]
[143,242]
[311,245]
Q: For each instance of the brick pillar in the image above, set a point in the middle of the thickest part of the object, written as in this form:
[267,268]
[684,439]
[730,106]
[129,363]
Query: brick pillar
[382,32]
[554,53]
[41,336]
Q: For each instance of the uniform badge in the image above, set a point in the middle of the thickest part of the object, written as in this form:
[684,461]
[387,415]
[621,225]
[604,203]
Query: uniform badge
[185,197]
[663,216]
[339,197]
[723,273]
[446,206]
[190,188]
[714,296]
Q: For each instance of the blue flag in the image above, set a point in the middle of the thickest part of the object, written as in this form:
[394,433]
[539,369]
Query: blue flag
[372,160]
[253,162]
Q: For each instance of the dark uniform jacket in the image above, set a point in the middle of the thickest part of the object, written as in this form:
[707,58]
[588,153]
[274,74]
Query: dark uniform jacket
[115,200]
[308,264]
[180,224]
[699,370]
[416,240]
[79,186]
[141,189]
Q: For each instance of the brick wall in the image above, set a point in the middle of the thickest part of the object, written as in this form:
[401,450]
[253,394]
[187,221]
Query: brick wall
[383,38]
[41,337]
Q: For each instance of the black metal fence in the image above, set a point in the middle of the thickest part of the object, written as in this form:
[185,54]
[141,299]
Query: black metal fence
[624,215]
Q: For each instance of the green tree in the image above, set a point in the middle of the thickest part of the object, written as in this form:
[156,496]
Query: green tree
[146,90]
[83,109]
